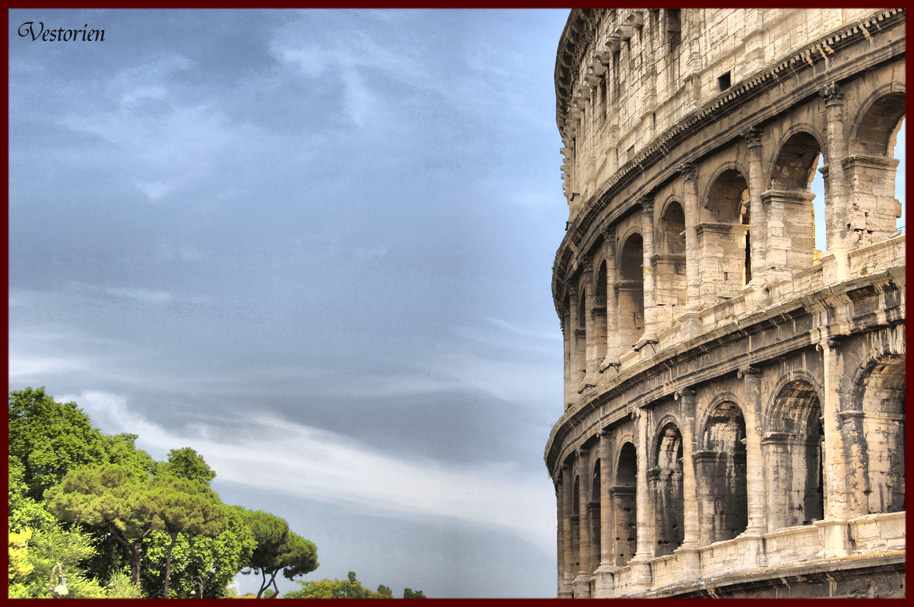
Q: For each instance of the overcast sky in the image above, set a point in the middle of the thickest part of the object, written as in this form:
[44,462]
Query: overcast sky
[315,246]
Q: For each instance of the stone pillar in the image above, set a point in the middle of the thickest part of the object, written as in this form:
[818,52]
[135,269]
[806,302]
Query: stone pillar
[688,551]
[858,486]
[568,342]
[691,211]
[837,228]
[585,570]
[790,233]
[612,313]
[590,344]
[562,589]
[565,589]
[722,261]
[640,563]
[872,203]
[576,373]
[755,469]
[757,223]
[650,307]
[834,529]
[604,573]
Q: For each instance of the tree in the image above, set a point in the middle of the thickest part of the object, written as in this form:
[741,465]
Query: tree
[48,553]
[277,549]
[408,593]
[184,506]
[187,463]
[49,439]
[349,588]
[110,496]
[213,561]
[385,591]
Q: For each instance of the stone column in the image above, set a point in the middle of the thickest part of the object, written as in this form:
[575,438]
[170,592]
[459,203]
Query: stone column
[650,307]
[582,579]
[590,344]
[691,211]
[872,203]
[688,551]
[837,233]
[576,373]
[757,230]
[604,573]
[640,563]
[858,485]
[834,529]
[568,342]
[790,235]
[755,468]
[562,589]
[568,557]
[612,312]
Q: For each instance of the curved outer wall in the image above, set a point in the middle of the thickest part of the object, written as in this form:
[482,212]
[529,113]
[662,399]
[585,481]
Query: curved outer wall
[734,399]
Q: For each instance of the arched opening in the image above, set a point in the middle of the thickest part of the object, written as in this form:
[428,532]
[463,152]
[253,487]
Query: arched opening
[622,494]
[599,313]
[721,471]
[666,487]
[792,449]
[723,239]
[594,512]
[630,291]
[790,211]
[670,285]
[879,433]
[870,171]
[899,154]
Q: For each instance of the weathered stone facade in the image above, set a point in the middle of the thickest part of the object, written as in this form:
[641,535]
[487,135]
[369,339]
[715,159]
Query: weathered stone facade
[734,399]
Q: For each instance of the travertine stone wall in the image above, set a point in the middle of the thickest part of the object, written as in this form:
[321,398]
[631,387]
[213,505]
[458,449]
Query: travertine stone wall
[734,398]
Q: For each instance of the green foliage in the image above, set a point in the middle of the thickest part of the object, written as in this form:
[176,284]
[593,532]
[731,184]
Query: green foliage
[102,507]
[188,464]
[278,549]
[408,593]
[50,553]
[349,588]
[385,591]
[49,439]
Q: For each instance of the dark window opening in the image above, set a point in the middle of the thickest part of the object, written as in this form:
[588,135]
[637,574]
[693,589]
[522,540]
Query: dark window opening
[723,82]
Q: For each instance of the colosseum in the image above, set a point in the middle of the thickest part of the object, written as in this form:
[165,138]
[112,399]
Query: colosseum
[734,398]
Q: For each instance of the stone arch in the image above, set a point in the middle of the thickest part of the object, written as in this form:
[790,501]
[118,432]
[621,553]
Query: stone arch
[870,170]
[875,429]
[723,238]
[721,472]
[788,200]
[670,261]
[624,505]
[793,453]
[630,289]
[665,484]
[876,123]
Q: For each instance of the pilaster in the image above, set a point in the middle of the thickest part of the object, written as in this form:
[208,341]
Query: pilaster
[834,530]
[755,467]
[688,551]
[640,563]
[758,234]
[612,313]
[836,208]
[650,307]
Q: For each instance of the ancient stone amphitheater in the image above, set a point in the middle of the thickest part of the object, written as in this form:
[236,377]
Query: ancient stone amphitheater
[734,398]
